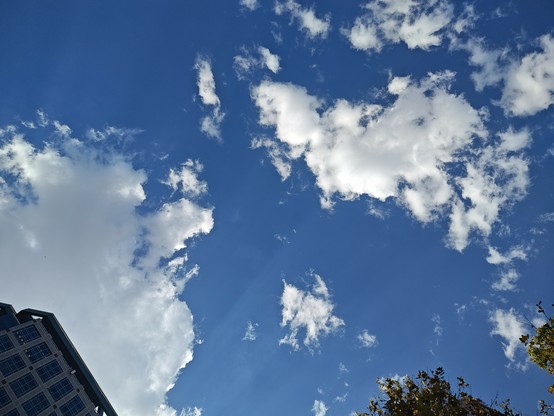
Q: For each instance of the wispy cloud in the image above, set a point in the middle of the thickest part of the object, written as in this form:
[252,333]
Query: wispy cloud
[510,326]
[367,340]
[249,4]
[247,61]
[250,333]
[313,26]
[191,411]
[210,124]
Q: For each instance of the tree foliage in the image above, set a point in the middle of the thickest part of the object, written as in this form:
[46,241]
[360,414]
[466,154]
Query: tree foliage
[429,394]
[540,348]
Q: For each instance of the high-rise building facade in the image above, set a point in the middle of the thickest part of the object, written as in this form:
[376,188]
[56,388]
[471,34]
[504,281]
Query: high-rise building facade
[41,372]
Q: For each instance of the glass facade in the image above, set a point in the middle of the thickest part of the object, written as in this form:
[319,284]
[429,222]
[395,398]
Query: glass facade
[72,407]
[5,343]
[4,398]
[11,364]
[41,374]
[36,404]
[38,352]
[23,384]
[60,389]
[27,334]
[49,370]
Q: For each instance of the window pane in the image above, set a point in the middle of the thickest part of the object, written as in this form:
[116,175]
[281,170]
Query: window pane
[60,389]
[38,352]
[13,412]
[4,398]
[27,334]
[11,364]
[5,343]
[72,407]
[23,385]
[36,405]
[49,370]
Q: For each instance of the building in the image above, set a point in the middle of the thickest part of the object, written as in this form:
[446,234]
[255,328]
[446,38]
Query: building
[41,372]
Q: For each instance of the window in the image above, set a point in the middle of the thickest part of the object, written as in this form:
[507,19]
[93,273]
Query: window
[13,412]
[11,364]
[36,404]
[27,334]
[23,385]
[38,352]
[72,407]
[4,398]
[5,343]
[60,389]
[49,370]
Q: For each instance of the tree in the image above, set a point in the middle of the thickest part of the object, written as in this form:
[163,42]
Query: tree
[429,394]
[540,348]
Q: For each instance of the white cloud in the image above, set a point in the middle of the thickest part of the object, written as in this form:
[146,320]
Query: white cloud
[547,217]
[112,132]
[191,411]
[311,311]
[277,155]
[313,26]
[249,4]
[417,23]
[366,339]
[510,326]
[210,124]
[407,151]
[341,399]
[437,321]
[529,84]
[250,333]
[490,62]
[270,60]
[247,62]
[517,252]
[319,408]
[69,224]
[186,180]
[343,369]
[507,281]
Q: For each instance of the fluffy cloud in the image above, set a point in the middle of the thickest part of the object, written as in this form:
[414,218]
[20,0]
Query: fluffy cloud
[419,24]
[510,326]
[411,150]
[367,340]
[529,84]
[73,242]
[308,310]
[247,62]
[311,24]
[319,408]
[211,124]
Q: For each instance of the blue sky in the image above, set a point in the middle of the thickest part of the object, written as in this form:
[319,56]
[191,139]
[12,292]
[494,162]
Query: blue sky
[248,206]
